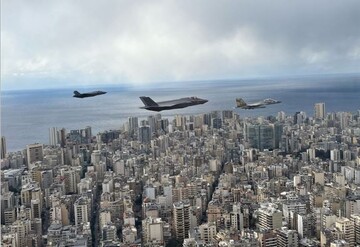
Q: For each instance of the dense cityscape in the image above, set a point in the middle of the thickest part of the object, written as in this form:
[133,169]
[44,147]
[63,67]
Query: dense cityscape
[214,179]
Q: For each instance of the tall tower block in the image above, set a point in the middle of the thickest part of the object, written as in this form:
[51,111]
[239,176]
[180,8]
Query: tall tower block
[319,111]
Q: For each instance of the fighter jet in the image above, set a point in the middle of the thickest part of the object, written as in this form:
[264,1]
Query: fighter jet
[171,104]
[89,94]
[240,103]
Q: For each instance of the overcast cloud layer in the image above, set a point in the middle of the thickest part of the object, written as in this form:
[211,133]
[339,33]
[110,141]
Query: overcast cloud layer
[59,43]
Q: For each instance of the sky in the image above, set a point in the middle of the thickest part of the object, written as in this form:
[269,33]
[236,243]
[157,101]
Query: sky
[67,43]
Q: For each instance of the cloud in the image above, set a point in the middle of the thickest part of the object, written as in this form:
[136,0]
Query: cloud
[128,42]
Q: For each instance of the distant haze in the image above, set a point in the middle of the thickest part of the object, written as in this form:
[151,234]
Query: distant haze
[26,115]
[48,44]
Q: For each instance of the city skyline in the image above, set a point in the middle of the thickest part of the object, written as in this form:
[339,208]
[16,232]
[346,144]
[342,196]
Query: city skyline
[45,45]
[211,178]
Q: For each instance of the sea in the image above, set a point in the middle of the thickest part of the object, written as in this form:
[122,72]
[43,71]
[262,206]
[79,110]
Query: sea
[27,115]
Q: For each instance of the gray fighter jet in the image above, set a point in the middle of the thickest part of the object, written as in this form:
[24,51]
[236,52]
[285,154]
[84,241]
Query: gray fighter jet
[240,103]
[89,94]
[171,104]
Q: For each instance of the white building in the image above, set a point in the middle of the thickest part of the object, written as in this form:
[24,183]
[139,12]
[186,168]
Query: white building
[82,210]
[153,231]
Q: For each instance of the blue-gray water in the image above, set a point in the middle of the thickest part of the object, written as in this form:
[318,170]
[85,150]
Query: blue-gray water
[26,116]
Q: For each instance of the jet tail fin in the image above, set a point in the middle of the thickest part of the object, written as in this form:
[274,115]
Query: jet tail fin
[76,93]
[240,102]
[148,101]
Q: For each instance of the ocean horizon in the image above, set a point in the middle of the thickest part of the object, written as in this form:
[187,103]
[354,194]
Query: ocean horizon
[27,115]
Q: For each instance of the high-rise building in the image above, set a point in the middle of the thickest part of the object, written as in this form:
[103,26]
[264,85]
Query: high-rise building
[345,118]
[53,136]
[207,118]
[267,238]
[263,136]
[335,155]
[95,157]
[318,177]
[355,218]
[7,204]
[35,174]
[299,117]
[107,185]
[180,122]
[152,121]
[181,212]
[278,131]
[198,121]
[22,228]
[281,116]
[9,216]
[70,179]
[352,206]
[86,134]
[237,218]
[36,208]
[346,226]
[133,125]
[260,136]
[144,134]
[34,153]
[82,210]
[3,147]
[190,126]
[75,136]
[269,217]
[29,192]
[216,123]
[286,237]
[319,111]
[46,179]
[100,168]
[153,231]
[207,232]
[164,125]
[347,155]
[311,153]
[304,225]
[104,218]
[296,207]
[109,232]
[60,213]
[62,137]
[226,114]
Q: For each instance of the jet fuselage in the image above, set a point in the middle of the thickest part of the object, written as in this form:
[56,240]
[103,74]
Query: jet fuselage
[240,103]
[89,94]
[171,104]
